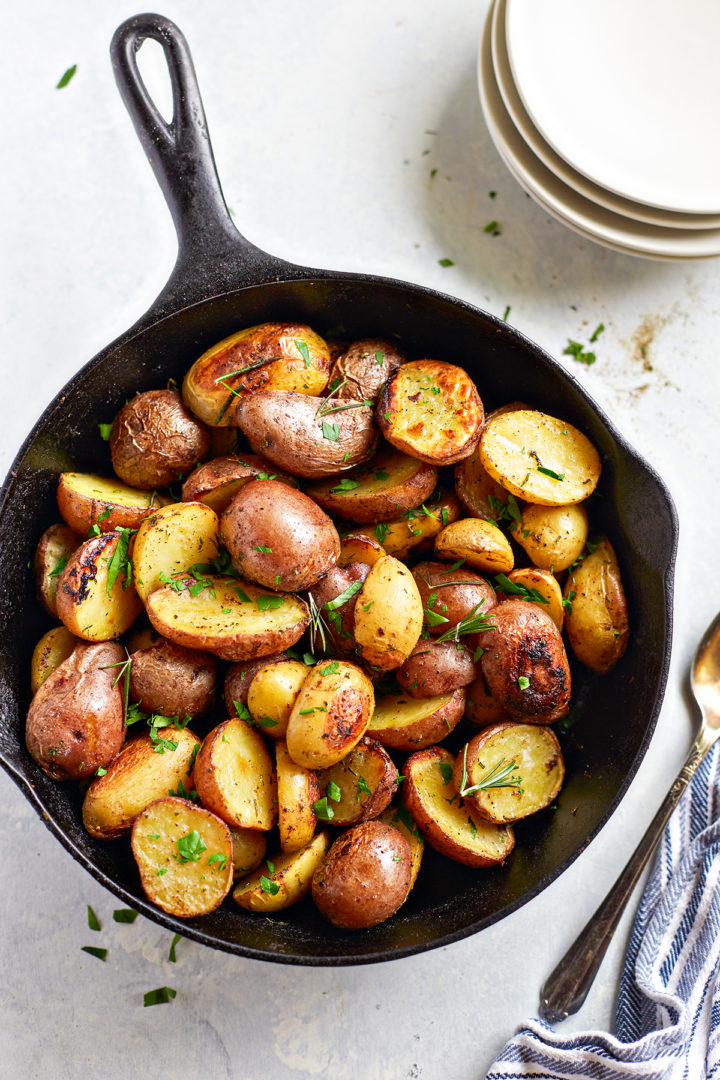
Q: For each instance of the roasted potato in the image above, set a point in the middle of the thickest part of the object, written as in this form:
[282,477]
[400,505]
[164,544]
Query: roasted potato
[335,597]
[481,707]
[277,356]
[56,546]
[52,648]
[298,791]
[354,547]
[524,663]
[155,441]
[365,876]
[279,537]
[537,586]
[407,723]
[449,594]
[453,827]
[235,778]
[240,675]
[136,777]
[229,617]
[170,680]
[360,786]
[388,614]
[514,769]
[305,435]
[172,540]
[217,481]
[330,714]
[596,618]
[249,845]
[436,667]
[539,458]
[86,500]
[553,536]
[480,544]
[282,880]
[184,855]
[414,530]
[400,818]
[362,370]
[381,490]
[96,599]
[272,693]
[481,496]
[75,723]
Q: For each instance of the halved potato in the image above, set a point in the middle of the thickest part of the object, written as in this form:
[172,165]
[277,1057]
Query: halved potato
[451,826]
[282,880]
[184,855]
[518,767]
[298,791]
[354,547]
[481,707]
[86,500]
[240,675]
[216,482]
[234,776]
[408,723]
[330,714]
[431,410]
[378,491]
[249,845]
[96,599]
[172,540]
[272,693]
[55,547]
[481,496]
[230,617]
[596,618]
[135,778]
[360,786]
[480,543]
[539,458]
[553,536]
[361,370]
[388,614]
[279,356]
[52,648]
[537,586]
[415,529]
[401,819]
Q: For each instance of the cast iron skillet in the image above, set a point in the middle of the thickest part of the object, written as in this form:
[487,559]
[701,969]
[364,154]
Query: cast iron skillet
[222,283]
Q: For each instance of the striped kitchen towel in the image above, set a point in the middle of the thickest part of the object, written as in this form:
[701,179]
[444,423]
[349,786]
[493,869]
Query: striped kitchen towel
[668,1009]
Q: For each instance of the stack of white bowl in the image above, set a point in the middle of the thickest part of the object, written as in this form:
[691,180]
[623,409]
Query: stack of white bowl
[606,112]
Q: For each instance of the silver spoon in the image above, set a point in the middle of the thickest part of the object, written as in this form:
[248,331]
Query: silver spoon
[568,985]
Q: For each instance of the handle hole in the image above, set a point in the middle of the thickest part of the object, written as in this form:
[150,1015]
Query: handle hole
[153,69]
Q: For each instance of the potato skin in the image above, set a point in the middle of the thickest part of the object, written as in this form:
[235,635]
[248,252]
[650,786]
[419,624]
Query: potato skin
[436,667]
[454,601]
[387,486]
[341,621]
[154,438]
[438,716]
[526,644]
[83,603]
[476,489]
[235,776]
[85,499]
[52,648]
[55,545]
[304,544]
[597,626]
[365,876]
[215,482]
[359,366]
[553,536]
[388,614]
[240,675]
[481,707]
[480,543]
[330,714]
[173,681]
[75,722]
[371,761]
[298,791]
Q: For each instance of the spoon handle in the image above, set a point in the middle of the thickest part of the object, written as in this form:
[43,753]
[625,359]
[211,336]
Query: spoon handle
[567,987]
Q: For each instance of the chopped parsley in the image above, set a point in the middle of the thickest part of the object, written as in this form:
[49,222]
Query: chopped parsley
[333,791]
[331,669]
[330,431]
[66,77]
[124,915]
[105,430]
[92,918]
[523,682]
[120,562]
[551,473]
[161,996]
[344,596]
[101,954]
[446,770]
[323,810]
[503,584]
[190,848]
[269,886]
[597,332]
[304,352]
[446,262]
[171,955]
[577,351]
[265,602]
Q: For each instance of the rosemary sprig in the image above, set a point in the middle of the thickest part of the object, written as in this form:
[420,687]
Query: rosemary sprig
[124,671]
[241,371]
[317,625]
[498,777]
[470,624]
[325,411]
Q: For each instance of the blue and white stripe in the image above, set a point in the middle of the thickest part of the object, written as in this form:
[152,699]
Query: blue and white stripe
[668,1010]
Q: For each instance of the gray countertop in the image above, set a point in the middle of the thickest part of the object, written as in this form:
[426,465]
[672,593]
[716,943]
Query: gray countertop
[328,121]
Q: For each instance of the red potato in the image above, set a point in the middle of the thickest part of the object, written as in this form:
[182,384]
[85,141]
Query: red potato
[154,439]
[451,594]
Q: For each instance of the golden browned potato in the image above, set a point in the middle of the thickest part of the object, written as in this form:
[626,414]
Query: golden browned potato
[52,648]
[388,614]
[400,818]
[172,540]
[436,667]
[142,636]
[282,880]
[55,547]
[451,593]
[360,786]
[431,410]
[415,529]
[155,440]
[75,723]
[217,481]
[184,855]
[96,599]
[307,436]
[278,536]
[354,547]
[335,597]
[240,675]
[144,770]
[235,778]
[172,681]
[330,714]
[452,826]
[298,791]
[596,614]
[553,536]
[277,356]
[249,845]
[362,370]
[381,490]
[365,876]
[479,543]
[524,663]
[539,458]
[229,617]
[407,723]
[272,693]
[86,500]
[481,707]
[510,771]
[481,496]
[535,585]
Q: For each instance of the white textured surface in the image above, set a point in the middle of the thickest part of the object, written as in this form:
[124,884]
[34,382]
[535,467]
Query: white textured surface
[319,114]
